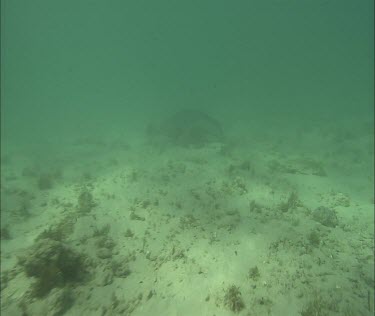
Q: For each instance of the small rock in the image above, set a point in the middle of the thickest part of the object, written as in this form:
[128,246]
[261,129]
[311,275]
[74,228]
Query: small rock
[104,253]
[325,216]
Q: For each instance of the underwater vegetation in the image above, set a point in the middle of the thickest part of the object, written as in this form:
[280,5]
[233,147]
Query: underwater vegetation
[59,231]
[233,299]
[52,264]
[314,238]
[5,234]
[85,202]
[254,273]
[291,203]
[317,306]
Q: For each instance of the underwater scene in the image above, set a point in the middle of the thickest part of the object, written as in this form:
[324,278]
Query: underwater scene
[186,158]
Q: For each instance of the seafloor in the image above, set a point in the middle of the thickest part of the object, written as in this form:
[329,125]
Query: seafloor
[259,224]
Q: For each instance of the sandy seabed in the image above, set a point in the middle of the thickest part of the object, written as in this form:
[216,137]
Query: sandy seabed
[250,227]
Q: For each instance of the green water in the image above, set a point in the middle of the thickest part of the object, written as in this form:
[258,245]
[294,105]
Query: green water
[88,90]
